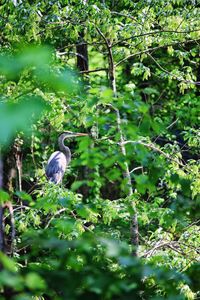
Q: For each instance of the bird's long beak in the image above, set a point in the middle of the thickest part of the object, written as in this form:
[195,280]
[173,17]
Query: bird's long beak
[81,134]
[70,134]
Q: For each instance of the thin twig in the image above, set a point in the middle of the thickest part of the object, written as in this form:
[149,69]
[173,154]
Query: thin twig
[17,208]
[56,214]
[111,69]
[61,211]
[127,176]
[151,146]
[135,169]
[158,246]
[171,74]
[126,16]
[173,245]
[173,123]
[152,33]
[192,224]
[153,49]
[75,217]
[145,18]
[168,127]
[25,93]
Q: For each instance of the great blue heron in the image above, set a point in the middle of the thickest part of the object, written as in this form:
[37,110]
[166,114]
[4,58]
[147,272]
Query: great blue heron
[59,160]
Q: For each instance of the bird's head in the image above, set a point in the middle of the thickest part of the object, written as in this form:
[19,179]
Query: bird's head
[67,135]
[70,134]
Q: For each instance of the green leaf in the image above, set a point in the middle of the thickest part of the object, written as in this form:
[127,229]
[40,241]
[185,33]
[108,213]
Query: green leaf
[4,197]
[34,282]
[24,196]
[21,115]
[7,263]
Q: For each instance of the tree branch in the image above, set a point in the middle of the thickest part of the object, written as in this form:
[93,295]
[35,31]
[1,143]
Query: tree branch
[151,146]
[126,16]
[192,224]
[151,251]
[111,68]
[153,49]
[56,214]
[127,176]
[169,73]
[173,245]
[135,169]
[152,33]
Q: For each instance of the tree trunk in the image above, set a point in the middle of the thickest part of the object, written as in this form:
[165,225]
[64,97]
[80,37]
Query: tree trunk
[82,53]
[134,221]
[83,65]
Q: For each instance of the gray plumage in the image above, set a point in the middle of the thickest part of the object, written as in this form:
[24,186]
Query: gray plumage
[59,160]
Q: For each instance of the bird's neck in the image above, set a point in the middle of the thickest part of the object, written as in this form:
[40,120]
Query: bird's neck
[64,148]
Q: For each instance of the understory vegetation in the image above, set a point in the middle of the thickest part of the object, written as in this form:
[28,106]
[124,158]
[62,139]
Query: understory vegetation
[124,223]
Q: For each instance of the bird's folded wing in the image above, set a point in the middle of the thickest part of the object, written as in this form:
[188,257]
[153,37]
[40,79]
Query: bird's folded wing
[56,167]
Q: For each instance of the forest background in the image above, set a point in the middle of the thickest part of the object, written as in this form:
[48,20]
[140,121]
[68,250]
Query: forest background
[124,224]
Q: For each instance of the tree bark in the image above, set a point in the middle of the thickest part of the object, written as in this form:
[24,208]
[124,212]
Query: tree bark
[83,67]
[82,53]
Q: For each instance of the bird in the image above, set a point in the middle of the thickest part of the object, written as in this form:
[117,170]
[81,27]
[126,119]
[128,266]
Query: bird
[59,160]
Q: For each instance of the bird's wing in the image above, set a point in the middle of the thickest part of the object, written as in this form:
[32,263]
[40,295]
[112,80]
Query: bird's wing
[56,167]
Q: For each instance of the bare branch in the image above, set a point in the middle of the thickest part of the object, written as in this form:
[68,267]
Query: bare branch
[75,217]
[151,146]
[135,169]
[127,176]
[158,246]
[169,73]
[124,15]
[192,224]
[173,245]
[103,36]
[61,211]
[153,33]
[25,93]
[173,123]
[111,69]
[17,208]
[56,214]
[153,49]
[168,127]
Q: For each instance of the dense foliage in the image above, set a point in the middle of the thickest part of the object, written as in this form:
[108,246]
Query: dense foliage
[124,224]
